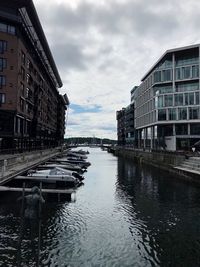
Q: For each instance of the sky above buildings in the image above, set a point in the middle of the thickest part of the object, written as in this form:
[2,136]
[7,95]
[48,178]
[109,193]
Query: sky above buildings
[103,48]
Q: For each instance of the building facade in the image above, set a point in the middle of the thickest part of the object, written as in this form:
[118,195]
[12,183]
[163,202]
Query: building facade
[167,103]
[32,112]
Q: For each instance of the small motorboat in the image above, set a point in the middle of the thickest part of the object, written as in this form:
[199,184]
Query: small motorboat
[55,175]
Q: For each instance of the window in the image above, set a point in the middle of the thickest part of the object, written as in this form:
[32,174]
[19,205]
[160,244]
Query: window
[182,113]
[186,72]
[23,58]
[2,98]
[168,100]
[22,89]
[7,28]
[3,63]
[195,71]
[163,89]
[3,46]
[178,74]
[2,80]
[3,27]
[162,115]
[22,104]
[160,101]
[181,129]
[197,98]
[166,75]
[184,87]
[193,113]
[23,73]
[195,128]
[178,99]
[172,113]
[157,76]
[187,60]
[11,29]
[189,99]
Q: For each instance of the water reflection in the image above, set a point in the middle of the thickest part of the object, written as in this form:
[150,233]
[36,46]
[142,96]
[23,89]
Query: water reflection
[124,215]
[163,213]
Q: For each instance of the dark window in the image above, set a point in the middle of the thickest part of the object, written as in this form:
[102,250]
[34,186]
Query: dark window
[2,80]
[3,63]
[162,115]
[166,75]
[182,113]
[23,73]
[193,113]
[172,114]
[178,99]
[157,76]
[195,128]
[23,58]
[181,129]
[2,98]
[3,46]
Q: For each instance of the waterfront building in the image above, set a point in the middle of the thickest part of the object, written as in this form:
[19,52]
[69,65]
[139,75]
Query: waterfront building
[120,116]
[125,123]
[32,112]
[167,104]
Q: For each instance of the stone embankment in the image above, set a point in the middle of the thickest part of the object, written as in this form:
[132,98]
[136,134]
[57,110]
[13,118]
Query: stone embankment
[12,165]
[172,162]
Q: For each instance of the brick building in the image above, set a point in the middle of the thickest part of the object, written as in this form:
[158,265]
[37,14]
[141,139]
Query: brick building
[32,112]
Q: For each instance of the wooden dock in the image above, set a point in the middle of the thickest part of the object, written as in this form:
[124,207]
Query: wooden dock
[48,191]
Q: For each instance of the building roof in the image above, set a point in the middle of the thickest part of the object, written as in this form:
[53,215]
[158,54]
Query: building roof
[168,52]
[28,11]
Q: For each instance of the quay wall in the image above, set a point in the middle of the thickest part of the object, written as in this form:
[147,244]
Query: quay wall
[165,161]
[10,165]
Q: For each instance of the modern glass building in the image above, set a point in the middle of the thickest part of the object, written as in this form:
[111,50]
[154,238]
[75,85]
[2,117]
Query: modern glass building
[167,103]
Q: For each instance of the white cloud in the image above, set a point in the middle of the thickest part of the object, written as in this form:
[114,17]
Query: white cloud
[103,48]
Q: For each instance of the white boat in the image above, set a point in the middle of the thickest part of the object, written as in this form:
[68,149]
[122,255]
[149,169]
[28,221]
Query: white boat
[66,166]
[55,175]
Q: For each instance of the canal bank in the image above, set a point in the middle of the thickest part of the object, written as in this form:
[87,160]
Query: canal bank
[12,165]
[171,162]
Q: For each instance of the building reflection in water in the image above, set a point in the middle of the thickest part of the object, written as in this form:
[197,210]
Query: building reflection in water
[163,214]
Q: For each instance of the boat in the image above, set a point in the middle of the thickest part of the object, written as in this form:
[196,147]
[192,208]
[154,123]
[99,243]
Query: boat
[81,163]
[55,175]
[67,166]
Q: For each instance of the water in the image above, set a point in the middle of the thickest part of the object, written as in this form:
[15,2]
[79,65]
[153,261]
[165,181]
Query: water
[124,215]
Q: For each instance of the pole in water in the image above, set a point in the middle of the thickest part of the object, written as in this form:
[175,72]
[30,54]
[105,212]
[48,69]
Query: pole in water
[21,228]
[39,228]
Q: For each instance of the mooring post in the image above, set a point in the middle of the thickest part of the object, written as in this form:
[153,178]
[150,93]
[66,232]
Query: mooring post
[21,228]
[39,228]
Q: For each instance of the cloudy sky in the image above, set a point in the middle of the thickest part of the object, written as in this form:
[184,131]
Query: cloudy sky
[102,49]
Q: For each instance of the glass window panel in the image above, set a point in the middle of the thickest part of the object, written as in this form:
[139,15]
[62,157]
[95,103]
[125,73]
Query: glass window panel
[195,128]
[3,46]
[187,60]
[178,99]
[181,129]
[3,27]
[193,113]
[178,73]
[184,87]
[172,114]
[195,71]
[186,72]
[168,100]
[160,101]
[197,98]
[182,113]
[162,115]
[167,75]
[163,89]
[2,98]
[157,76]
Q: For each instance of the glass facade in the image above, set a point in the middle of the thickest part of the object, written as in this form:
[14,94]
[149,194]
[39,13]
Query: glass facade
[169,95]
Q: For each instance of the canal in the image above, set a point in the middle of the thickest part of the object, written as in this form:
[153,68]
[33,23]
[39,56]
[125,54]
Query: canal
[124,215]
